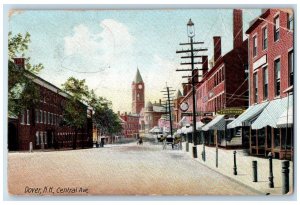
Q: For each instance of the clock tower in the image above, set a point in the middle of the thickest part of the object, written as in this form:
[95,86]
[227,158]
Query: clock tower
[138,97]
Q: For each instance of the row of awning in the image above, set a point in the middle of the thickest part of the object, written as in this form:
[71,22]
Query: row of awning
[277,113]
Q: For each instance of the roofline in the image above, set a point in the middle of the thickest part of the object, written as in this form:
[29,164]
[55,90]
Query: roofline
[257,21]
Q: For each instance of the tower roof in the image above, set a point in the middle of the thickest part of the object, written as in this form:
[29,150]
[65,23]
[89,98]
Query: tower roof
[138,78]
[179,94]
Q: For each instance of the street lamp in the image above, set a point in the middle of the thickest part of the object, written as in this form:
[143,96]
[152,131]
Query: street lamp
[190,29]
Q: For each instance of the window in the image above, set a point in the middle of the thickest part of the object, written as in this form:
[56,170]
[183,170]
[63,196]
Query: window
[45,117]
[255,82]
[45,137]
[42,137]
[265,72]
[265,38]
[23,118]
[276,28]
[37,112]
[291,67]
[290,21]
[254,46]
[48,118]
[277,76]
[28,117]
[41,116]
[37,138]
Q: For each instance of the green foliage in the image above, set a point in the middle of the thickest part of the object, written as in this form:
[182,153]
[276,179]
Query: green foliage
[104,118]
[22,92]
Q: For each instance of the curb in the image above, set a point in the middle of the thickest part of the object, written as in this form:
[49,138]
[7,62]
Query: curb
[236,181]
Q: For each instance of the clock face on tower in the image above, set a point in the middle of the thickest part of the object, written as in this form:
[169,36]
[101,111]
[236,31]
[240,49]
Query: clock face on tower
[140,86]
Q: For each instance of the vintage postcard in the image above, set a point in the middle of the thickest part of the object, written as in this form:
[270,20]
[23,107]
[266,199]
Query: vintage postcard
[150,102]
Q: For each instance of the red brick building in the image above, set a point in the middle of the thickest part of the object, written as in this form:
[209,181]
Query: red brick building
[42,125]
[271,66]
[130,124]
[225,85]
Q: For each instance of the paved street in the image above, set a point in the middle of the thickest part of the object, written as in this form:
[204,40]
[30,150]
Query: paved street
[126,169]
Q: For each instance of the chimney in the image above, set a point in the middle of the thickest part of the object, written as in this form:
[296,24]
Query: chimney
[159,101]
[204,65]
[217,48]
[118,113]
[237,28]
[125,113]
[20,62]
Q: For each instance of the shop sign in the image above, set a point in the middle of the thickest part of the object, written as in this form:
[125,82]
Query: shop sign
[231,111]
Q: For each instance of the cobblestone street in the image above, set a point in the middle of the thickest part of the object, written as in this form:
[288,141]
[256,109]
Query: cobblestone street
[126,169]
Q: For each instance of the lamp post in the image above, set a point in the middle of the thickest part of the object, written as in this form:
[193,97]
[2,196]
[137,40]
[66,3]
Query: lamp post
[191,34]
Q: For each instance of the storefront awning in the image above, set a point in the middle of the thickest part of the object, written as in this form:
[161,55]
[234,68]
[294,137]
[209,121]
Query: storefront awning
[286,119]
[199,125]
[184,121]
[245,118]
[218,123]
[271,114]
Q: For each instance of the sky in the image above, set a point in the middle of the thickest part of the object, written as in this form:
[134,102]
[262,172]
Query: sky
[106,47]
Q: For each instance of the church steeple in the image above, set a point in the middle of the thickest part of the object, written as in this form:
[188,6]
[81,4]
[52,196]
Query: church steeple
[138,78]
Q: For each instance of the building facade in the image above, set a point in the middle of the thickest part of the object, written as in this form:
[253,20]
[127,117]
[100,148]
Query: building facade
[130,124]
[271,65]
[222,87]
[42,125]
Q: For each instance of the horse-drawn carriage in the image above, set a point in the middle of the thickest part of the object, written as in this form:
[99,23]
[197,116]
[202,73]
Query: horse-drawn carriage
[174,141]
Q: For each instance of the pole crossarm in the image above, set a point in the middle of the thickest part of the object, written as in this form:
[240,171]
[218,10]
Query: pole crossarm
[182,44]
[189,63]
[194,50]
[191,56]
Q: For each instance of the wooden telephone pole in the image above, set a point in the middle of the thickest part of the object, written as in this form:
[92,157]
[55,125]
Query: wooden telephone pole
[194,71]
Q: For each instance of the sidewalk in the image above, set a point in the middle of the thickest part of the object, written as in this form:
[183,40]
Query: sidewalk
[244,168]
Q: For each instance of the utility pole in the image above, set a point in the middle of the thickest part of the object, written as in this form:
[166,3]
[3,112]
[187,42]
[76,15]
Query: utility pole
[169,104]
[194,76]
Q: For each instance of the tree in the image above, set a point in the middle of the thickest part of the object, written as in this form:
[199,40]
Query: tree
[22,92]
[74,114]
[104,118]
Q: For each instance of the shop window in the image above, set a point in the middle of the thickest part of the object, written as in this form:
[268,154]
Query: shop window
[277,76]
[269,137]
[265,38]
[276,138]
[286,140]
[261,137]
[48,118]
[291,67]
[265,72]
[253,138]
[276,28]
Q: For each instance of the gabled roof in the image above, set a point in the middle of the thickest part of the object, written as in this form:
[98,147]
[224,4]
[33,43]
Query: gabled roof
[138,78]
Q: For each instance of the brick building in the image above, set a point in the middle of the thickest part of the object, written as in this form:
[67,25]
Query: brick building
[222,87]
[269,119]
[130,124]
[42,124]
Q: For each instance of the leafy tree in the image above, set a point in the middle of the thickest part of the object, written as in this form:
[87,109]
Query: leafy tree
[22,92]
[74,114]
[104,118]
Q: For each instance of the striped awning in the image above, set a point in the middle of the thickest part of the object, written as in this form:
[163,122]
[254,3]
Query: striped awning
[271,114]
[286,119]
[184,121]
[245,118]
[218,123]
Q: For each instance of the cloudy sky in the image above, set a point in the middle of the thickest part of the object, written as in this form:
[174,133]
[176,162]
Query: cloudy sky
[105,47]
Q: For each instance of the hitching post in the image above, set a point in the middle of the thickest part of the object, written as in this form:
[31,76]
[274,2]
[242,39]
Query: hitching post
[234,163]
[285,176]
[271,182]
[254,166]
